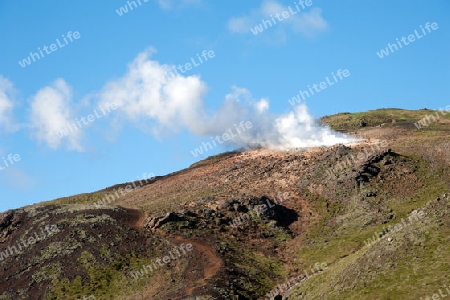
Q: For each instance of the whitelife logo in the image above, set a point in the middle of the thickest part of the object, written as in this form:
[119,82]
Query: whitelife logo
[124,9]
[90,118]
[51,229]
[11,158]
[414,217]
[360,157]
[428,119]
[48,50]
[172,73]
[296,280]
[323,85]
[229,135]
[411,38]
[438,296]
[108,198]
[166,259]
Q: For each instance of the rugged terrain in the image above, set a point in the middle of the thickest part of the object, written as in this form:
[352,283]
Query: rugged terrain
[369,220]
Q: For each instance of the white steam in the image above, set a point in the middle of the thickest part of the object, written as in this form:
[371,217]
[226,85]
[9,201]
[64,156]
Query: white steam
[151,93]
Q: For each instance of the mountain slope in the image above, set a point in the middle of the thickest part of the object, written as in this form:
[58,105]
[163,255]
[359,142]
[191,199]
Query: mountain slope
[255,219]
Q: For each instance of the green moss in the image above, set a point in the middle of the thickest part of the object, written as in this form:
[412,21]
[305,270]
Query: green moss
[48,272]
[104,282]
[352,121]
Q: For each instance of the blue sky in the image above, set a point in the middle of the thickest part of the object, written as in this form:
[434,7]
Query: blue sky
[158,121]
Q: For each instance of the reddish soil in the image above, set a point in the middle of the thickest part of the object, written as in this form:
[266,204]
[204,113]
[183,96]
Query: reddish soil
[204,260]
[208,267]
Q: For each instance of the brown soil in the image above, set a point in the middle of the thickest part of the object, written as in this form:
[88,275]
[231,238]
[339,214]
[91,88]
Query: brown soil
[204,261]
[207,263]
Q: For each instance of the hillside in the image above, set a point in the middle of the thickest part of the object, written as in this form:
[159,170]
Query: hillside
[364,221]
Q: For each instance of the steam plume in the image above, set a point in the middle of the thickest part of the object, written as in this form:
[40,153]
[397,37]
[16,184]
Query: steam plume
[152,93]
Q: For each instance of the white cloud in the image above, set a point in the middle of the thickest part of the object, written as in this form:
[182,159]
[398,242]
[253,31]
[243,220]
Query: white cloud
[150,91]
[51,112]
[307,21]
[262,105]
[6,104]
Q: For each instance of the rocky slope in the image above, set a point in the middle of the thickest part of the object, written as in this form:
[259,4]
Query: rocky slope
[367,221]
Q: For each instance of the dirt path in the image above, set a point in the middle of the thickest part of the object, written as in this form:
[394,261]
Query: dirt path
[210,267]
[205,260]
